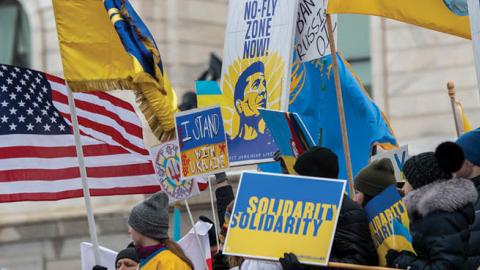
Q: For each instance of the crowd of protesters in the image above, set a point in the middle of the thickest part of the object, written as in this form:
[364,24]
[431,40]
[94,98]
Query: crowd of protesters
[440,193]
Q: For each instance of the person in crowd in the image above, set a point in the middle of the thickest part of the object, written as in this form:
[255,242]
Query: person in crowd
[148,227]
[352,242]
[470,144]
[440,209]
[373,179]
[127,259]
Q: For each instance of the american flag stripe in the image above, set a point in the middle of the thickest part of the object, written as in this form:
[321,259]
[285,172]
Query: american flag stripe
[42,165]
[52,196]
[103,127]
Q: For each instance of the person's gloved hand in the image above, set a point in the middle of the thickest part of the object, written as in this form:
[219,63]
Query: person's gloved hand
[393,256]
[290,262]
[99,267]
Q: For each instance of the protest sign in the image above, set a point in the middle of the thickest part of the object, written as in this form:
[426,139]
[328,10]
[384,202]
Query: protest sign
[166,158]
[255,74]
[388,223]
[201,137]
[107,257]
[290,135]
[312,40]
[398,157]
[277,213]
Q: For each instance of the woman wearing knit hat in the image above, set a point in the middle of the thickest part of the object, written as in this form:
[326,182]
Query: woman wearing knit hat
[440,210]
[148,227]
[373,179]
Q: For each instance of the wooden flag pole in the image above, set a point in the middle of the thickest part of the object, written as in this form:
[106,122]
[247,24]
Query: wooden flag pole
[341,112]
[83,174]
[453,101]
[356,266]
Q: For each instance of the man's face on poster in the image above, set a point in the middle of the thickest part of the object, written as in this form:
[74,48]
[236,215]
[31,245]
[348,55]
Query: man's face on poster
[255,95]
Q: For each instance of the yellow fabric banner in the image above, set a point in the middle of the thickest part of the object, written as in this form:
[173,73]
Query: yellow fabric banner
[446,16]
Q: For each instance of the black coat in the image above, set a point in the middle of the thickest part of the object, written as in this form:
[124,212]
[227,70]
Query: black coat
[352,242]
[473,262]
[440,215]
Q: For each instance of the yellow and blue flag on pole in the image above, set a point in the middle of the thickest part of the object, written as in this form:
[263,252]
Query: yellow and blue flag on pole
[106,46]
[448,16]
[314,98]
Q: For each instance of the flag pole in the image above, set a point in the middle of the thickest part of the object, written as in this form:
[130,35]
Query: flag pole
[83,174]
[453,101]
[341,112]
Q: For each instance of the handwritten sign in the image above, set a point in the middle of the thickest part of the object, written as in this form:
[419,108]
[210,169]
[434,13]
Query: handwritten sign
[277,213]
[398,157]
[166,158]
[202,141]
[312,40]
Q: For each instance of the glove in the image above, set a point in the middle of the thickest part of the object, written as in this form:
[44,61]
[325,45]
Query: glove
[99,267]
[290,262]
[393,256]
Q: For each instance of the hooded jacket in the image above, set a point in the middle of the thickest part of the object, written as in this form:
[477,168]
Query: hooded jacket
[440,215]
[474,247]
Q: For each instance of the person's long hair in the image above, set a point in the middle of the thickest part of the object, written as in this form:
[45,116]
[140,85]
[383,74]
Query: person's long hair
[177,250]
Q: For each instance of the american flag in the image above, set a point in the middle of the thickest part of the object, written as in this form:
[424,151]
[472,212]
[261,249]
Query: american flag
[38,158]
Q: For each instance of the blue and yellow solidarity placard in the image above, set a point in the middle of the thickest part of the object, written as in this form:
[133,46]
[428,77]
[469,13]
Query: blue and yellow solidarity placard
[276,213]
[388,223]
[202,141]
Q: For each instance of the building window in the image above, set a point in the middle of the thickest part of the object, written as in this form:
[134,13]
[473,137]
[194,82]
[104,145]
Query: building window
[15,44]
[354,43]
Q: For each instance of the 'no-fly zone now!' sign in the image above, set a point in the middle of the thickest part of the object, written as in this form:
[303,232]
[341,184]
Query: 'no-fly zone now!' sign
[202,141]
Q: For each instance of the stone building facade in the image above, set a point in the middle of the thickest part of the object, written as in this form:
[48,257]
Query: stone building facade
[410,69]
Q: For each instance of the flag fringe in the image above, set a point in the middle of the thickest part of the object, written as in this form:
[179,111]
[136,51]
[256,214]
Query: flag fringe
[102,85]
[152,120]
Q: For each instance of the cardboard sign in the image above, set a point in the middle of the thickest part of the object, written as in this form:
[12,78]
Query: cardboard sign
[398,157]
[290,134]
[276,213]
[312,40]
[201,137]
[166,158]
[389,223]
[255,74]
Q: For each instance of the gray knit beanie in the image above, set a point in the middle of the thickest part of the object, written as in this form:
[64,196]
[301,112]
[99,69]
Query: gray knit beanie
[150,217]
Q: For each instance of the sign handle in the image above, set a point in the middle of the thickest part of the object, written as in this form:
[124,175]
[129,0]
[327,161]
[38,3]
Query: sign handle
[83,174]
[214,215]
[341,112]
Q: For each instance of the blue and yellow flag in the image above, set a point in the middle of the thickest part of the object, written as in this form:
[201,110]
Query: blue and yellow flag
[314,98]
[389,223]
[106,46]
[448,16]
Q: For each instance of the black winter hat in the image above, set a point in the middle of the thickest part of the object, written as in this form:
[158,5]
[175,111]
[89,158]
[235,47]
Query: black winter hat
[128,253]
[428,167]
[317,162]
[211,233]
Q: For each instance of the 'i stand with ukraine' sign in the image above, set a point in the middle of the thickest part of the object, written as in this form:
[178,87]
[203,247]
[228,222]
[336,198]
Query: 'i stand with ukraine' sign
[201,137]
[276,213]
[388,223]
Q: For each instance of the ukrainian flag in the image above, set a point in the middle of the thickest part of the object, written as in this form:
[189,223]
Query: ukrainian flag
[448,16]
[314,98]
[106,46]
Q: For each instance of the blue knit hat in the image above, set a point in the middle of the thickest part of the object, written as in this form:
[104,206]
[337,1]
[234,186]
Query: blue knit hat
[470,144]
